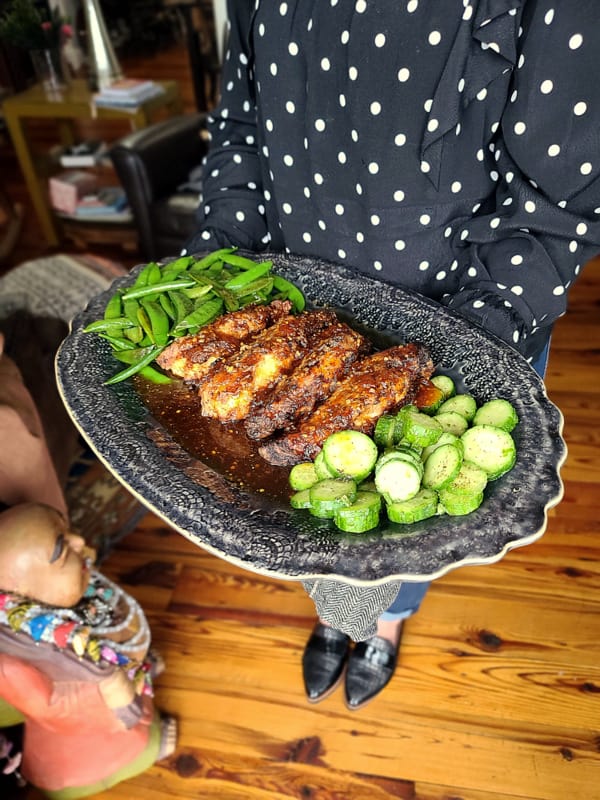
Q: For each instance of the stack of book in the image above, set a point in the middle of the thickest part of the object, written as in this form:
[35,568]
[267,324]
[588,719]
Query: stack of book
[83,154]
[106,204]
[127,93]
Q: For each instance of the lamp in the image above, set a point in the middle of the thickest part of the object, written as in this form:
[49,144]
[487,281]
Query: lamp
[103,65]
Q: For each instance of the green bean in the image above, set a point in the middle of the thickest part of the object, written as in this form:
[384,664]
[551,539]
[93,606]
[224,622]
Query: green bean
[158,287]
[250,275]
[132,369]
[154,375]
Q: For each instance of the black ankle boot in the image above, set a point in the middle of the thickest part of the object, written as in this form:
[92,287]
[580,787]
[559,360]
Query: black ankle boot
[370,668]
[323,661]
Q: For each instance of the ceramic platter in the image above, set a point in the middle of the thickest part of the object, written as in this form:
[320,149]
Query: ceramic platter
[254,527]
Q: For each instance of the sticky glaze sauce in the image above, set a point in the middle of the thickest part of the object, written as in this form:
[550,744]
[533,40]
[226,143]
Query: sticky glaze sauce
[224,448]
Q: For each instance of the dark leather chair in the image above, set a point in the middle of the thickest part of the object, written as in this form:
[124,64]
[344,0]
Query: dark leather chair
[153,164]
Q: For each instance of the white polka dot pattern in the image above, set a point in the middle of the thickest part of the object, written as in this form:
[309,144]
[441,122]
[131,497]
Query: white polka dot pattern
[432,147]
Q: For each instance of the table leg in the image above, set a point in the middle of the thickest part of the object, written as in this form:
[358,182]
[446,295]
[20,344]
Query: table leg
[40,203]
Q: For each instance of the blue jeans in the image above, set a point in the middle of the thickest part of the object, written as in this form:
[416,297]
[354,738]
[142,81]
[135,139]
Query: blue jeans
[411,594]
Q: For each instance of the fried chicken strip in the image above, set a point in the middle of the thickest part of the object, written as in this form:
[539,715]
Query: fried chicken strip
[194,357]
[328,361]
[376,385]
[244,378]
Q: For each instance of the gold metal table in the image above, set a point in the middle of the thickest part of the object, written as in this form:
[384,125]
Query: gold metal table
[75,102]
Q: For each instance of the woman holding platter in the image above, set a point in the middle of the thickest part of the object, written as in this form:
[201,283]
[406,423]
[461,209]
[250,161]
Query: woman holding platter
[451,149]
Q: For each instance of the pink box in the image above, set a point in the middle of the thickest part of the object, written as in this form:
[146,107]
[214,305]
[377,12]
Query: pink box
[67,188]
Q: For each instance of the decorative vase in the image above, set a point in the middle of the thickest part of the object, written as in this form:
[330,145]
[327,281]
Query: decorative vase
[103,65]
[48,68]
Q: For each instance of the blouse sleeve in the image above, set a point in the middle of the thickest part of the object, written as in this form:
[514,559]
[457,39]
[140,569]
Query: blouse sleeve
[234,212]
[519,257]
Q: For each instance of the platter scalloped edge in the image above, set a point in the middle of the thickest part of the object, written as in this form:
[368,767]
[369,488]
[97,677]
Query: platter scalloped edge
[246,530]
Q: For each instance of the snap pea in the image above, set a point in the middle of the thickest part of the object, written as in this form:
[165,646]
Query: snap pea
[240,280]
[238,261]
[114,307]
[135,334]
[117,343]
[197,291]
[130,307]
[159,322]
[164,286]
[290,291]
[208,260]
[148,275]
[182,305]
[261,286]
[132,369]
[144,321]
[167,305]
[133,356]
[206,313]
[107,325]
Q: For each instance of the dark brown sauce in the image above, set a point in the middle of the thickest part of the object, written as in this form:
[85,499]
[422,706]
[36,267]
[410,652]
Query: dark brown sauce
[225,448]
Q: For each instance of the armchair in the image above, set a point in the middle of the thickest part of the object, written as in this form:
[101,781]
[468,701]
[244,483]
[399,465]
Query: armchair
[153,164]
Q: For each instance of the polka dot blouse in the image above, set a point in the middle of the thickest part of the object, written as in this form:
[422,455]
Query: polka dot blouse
[452,148]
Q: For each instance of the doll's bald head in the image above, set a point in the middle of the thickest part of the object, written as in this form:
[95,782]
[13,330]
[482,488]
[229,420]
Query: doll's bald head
[40,558]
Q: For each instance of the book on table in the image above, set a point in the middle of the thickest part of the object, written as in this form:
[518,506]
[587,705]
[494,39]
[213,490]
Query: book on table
[107,201]
[83,154]
[128,92]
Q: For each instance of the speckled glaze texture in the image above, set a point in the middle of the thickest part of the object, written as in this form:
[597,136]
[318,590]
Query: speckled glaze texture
[261,535]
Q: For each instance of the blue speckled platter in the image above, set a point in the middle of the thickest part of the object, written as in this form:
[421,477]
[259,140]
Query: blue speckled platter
[265,536]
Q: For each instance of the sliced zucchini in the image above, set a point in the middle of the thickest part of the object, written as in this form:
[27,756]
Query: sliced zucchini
[459,504]
[463,404]
[328,495]
[471,479]
[300,499]
[445,438]
[351,454]
[420,429]
[400,453]
[303,476]
[422,506]
[446,384]
[499,413]
[490,448]
[398,479]
[452,422]
[361,516]
[385,431]
[322,468]
[442,467]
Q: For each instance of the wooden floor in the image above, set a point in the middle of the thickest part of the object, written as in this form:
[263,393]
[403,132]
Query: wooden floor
[497,693]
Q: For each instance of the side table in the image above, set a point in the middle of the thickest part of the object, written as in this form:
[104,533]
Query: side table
[74,103]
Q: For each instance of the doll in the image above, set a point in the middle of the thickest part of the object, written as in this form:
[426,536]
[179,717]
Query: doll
[75,661]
